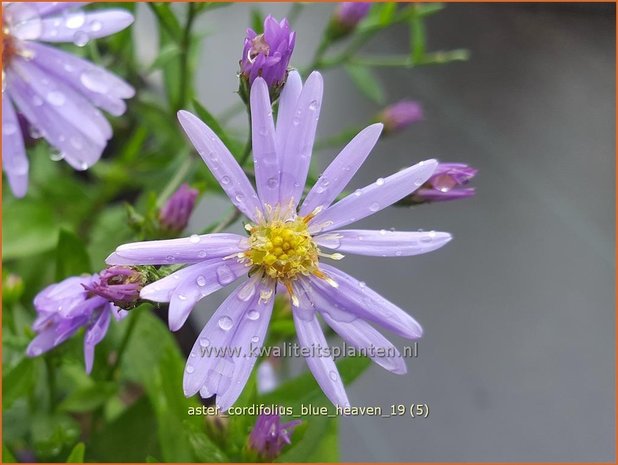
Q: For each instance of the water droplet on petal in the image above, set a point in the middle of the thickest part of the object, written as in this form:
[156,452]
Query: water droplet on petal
[56,156]
[224,275]
[194,239]
[96,26]
[204,342]
[80,38]
[374,207]
[95,80]
[272,182]
[253,315]
[75,20]
[190,369]
[201,281]
[225,180]
[332,375]
[255,339]
[226,323]
[362,284]
[182,297]
[56,98]
[202,254]
[380,181]
[313,105]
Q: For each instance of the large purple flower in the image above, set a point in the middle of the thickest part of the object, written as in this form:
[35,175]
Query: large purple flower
[57,92]
[66,307]
[285,245]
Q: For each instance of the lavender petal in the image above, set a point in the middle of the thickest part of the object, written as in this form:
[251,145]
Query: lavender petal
[195,248]
[101,87]
[358,299]
[383,243]
[205,366]
[311,336]
[373,198]
[94,335]
[222,165]
[79,27]
[266,164]
[248,340]
[14,160]
[287,105]
[339,173]
[298,144]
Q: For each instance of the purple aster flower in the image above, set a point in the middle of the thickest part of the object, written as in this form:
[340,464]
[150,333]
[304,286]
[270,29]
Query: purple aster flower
[120,285]
[269,436]
[400,115]
[446,184]
[268,54]
[57,92]
[63,308]
[285,248]
[349,14]
[175,214]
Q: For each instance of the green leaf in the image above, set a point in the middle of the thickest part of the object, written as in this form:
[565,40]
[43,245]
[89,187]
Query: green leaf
[88,398]
[166,54]
[167,19]
[7,456]
[28,228]
[213,124]
[304,387]
[72,259]
[366,81]
[50,434]
[19,381]
[417,36]
[77,454]
[204,450]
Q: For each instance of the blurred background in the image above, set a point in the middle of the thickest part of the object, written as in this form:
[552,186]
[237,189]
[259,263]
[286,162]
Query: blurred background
[518,357]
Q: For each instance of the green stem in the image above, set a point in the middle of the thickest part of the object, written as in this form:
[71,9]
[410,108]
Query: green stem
[227,221]
[185,45]
[133,317]
[179,176]
[51,380]
[248,145]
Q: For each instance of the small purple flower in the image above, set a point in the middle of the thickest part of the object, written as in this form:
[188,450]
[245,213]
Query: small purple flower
[400,115]
[63,308]
[57,92]
[175,214]
[349,14]
[269,436]
[120,285]
[268,54]
[286,249]
[446,184]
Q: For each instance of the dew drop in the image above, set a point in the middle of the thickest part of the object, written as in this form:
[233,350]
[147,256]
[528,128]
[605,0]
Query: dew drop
[362,284]
[247,292]
[182,297]
[225,180]
[272,182]
[194,239]
[239,197]
[380,181]
[75,20]
[313,106]
[80,38]
[96,26]
[253,315]
[190,369]
[255,339]
[204,342]
[226,323]
[224,275]
[374,207]
[76,142]
[56,156]
[56,98]
[201,281]
[332,375]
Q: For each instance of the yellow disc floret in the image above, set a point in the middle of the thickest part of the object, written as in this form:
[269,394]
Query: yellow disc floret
[282,249]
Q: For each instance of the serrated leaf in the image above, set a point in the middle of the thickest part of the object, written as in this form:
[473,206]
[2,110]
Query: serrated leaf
[77,454]
[366,81]
[72,258]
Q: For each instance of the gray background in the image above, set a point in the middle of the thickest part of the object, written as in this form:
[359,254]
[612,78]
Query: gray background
[517,362]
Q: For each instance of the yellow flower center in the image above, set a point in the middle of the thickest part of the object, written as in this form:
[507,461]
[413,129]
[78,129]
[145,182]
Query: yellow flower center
[282,249]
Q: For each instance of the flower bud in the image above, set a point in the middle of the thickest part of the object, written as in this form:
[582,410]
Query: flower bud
[269,436]
[400,115]
[267,55]
[120,285]
[12,288]
[175,214]
[445,184]
[347,16]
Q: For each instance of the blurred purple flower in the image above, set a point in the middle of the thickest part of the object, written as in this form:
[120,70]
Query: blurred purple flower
[63,308]
[269,436]
[268,54]
[175,214]
[284,249]
[120,285]
[446,184]
[400,115]
[57,92]
[349,14]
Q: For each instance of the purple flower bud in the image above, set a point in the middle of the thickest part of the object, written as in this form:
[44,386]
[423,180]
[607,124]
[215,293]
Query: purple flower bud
[269,436]
[349,14]
[400,115]
[446,184]
[66,307]
[174,216]
[268,54]
[120,285]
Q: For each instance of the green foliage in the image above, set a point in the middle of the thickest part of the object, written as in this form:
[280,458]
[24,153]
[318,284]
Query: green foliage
[71,256]
[77,454]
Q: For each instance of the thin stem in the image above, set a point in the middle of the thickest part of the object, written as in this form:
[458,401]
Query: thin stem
[179,176]
[51,380]
[226,222]
[185,45]
[133,317]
